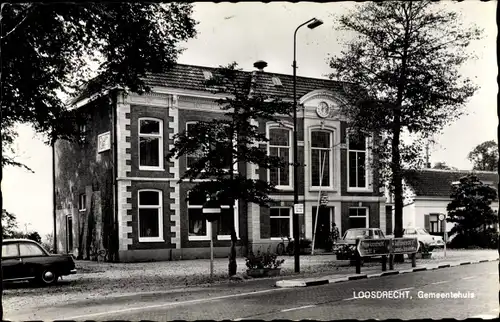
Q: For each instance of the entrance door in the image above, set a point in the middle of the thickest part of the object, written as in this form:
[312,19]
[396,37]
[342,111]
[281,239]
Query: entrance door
[69,233]
[323,226]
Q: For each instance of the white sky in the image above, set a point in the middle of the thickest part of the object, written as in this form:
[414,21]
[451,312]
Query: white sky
[246,32]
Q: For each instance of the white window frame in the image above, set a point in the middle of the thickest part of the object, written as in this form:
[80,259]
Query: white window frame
[236,222]
[437,221]
[209,225]
[290,214]
[82,202]
[331,157]
[160,167]
[367,215]
[69,230]
[368,169]
[209,228]
[160,216]
[270,127]
[235,165]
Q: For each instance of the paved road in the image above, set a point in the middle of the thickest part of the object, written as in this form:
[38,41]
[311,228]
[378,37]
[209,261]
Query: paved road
[478,282]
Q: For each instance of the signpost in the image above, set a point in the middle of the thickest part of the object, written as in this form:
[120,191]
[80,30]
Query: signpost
[212,210]
[384,247]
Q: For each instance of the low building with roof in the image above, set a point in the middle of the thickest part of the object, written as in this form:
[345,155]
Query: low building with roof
[427,194]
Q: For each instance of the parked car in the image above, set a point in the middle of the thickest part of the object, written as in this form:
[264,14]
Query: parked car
[24,259]
[346,246]
[424,238]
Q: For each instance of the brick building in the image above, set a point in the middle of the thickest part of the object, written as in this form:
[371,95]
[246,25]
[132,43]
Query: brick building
[117,175]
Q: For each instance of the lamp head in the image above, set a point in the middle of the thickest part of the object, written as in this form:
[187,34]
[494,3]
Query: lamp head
[315,23]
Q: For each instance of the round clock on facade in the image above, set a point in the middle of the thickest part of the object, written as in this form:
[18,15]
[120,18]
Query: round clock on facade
[323,110]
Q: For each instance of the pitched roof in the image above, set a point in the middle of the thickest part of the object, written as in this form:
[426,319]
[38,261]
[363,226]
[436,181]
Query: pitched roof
[191,77]
[438,183]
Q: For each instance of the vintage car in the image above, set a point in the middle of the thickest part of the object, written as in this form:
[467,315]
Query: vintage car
[24,259]
[346,246]
[425,240]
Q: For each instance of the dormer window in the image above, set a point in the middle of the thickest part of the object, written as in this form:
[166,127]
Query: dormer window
[277,81]
[207,74]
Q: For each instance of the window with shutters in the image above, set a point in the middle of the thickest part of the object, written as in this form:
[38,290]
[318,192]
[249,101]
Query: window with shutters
[435,225]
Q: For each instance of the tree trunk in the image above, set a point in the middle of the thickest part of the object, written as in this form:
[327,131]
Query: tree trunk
[232,267]
[396,157]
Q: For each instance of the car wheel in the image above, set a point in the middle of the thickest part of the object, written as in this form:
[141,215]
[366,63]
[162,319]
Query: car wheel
[47,276]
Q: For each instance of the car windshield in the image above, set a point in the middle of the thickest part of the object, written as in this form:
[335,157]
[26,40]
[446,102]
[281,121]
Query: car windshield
[422,231]
[356,233]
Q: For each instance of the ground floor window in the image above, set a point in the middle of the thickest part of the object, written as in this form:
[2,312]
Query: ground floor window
[200,228]
[358,218]
[69,233]
[434,224]
[280,222]
[150,217]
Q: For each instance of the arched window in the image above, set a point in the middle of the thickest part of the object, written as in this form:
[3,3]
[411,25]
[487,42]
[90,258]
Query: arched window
[150,215]
[321,158]
[280,144]
[150,144]
[357,161]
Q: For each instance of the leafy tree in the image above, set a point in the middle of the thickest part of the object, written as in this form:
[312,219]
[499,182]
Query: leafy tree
[404,63]
[48,50]
[470,209]
[9,224]
[231,140]
[67,44]
[484,157]
[443,166]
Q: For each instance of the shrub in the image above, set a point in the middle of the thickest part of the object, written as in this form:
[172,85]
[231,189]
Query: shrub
[263,260]
[482,239]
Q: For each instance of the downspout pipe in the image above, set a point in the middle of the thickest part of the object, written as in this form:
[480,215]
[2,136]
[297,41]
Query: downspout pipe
[54,210]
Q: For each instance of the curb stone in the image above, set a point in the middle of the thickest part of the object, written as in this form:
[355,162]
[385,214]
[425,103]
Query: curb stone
[322,281]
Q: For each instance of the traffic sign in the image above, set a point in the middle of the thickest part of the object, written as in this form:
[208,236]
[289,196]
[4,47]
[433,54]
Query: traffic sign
[298,209]
[404,245]
[373,247]
[441,217]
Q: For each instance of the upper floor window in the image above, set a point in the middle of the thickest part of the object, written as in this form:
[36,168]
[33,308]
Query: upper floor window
[192,158]
[280,145]
[357,161]
[82,202]
[321,158]
[150,215]
[150,144]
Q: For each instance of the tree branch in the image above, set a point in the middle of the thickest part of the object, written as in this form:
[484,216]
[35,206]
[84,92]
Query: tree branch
[28,10]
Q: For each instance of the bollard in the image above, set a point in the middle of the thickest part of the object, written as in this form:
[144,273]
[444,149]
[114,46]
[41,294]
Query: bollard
[391,262]
[414,260]
[384,263]
[358,258]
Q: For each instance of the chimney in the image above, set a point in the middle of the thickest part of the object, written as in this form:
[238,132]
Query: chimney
[260,65]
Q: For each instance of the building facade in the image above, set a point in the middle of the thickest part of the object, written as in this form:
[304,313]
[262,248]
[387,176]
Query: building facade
[117,178]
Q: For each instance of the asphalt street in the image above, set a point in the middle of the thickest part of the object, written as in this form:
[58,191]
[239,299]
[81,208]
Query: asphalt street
[478,285]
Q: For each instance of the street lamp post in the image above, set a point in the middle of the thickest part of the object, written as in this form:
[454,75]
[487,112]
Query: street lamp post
[311,24]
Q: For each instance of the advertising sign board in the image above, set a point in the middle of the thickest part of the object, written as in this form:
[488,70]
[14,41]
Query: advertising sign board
[373,247]
[404,245]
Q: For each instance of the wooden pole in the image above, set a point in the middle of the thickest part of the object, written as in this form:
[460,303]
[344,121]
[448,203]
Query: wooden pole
[318,204]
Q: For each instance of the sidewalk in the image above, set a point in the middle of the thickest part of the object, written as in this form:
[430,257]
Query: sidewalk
[374,269]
